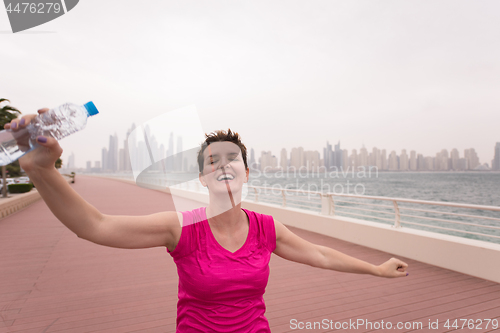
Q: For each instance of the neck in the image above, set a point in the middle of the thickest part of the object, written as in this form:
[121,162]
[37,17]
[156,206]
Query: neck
[224,218]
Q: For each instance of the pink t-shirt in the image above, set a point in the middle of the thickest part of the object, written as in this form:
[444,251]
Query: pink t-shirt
[221,291]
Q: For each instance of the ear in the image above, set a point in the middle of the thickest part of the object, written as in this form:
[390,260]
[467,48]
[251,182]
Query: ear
[247,175]
[202,180]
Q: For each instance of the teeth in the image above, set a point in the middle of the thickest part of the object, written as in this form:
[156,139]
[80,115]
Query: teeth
[225,177]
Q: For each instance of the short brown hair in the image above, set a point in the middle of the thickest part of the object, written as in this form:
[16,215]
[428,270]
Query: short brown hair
[220,136]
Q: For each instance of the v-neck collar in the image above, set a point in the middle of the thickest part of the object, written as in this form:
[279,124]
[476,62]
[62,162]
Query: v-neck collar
[209,231]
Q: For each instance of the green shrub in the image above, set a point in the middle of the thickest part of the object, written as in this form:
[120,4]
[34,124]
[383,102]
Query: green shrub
[19,188]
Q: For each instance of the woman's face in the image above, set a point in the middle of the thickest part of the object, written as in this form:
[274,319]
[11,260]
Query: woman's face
[223,168]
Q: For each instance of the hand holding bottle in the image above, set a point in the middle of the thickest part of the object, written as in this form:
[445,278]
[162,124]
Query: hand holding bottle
[25,134]
[43,157]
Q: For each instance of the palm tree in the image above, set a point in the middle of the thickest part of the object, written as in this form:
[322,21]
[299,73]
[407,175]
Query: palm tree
[7,113]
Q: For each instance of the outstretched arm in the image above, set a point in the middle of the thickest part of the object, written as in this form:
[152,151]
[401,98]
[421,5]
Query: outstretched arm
[161,229]
[292,247]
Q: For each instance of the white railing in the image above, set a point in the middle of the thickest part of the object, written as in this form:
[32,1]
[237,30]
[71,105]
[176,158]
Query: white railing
[402,212]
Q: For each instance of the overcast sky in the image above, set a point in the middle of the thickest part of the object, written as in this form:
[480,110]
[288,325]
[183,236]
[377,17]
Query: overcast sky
[415,75]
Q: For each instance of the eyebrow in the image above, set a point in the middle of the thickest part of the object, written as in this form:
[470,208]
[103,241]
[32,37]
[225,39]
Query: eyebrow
[217,155]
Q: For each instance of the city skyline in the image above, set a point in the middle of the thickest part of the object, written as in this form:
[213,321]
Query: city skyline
[114,158]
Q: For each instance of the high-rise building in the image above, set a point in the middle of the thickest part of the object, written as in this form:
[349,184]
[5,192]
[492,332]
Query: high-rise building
[383,157]
[376,158]
[327,156]
[393,161]
[113,153]
[413,161]
[442,161]
[472,159]
[283,159]
[345,159]
[337,156]
[455,158]
[421,163]
[311,160]
[462,164]
[353,160]
[104,159]
[495,163]
[403,161]
[363,157]
[266,161]
[332,158]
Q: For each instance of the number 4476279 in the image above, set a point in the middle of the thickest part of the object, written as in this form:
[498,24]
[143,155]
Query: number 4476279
[40,8]
[471,324]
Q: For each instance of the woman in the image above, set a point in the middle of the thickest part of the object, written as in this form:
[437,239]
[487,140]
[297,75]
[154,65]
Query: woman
[222,251]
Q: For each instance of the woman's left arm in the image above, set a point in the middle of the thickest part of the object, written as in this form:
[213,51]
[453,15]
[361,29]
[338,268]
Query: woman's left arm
[291,247]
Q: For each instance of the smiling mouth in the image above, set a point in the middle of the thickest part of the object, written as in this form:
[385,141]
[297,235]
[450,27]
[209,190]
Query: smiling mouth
[225,177]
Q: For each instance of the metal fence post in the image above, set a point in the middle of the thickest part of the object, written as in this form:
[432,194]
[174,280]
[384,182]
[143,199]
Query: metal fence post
[325,204]
[397,220]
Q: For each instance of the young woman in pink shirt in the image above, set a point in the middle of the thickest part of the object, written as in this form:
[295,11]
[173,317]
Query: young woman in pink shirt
[222,252]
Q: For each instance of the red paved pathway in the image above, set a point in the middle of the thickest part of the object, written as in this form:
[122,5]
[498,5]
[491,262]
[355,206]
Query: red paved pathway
[52,281]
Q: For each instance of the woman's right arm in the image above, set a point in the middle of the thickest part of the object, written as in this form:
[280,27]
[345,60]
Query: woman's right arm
[160,229]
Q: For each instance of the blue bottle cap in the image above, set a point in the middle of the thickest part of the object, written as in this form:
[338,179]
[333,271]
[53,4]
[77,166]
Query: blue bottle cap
[91,109]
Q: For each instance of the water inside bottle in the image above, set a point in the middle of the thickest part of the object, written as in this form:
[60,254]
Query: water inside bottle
[14,144]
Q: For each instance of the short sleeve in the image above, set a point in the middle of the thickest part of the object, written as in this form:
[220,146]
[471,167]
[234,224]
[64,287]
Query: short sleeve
[265,231]
[186,242]
[269,231]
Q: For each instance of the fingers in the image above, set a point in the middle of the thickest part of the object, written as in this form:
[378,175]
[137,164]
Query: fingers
[22,122]
[401,267]
[46,141]
[394,268]
[51,143]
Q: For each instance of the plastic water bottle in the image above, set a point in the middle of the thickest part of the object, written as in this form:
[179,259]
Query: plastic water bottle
[57,123]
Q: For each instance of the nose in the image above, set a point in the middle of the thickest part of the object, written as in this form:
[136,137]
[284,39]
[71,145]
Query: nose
[225,165]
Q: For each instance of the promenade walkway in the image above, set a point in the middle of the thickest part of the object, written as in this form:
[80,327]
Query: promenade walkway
[52,281]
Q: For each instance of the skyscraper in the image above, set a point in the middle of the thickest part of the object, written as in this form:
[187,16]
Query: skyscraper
[327,156]
[266,160]
[104,159]
[353,160]
[393,161]
[337,157]
[471,157]
[455,158]
[413,160]
[403,161]
[283,159]
[363,157]
[383,157]
[112,164]
[495,164]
